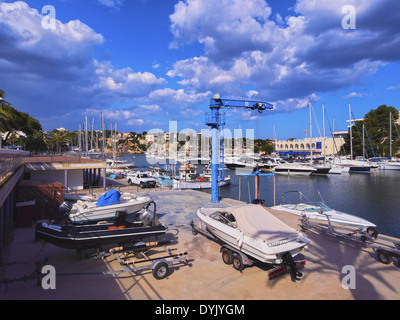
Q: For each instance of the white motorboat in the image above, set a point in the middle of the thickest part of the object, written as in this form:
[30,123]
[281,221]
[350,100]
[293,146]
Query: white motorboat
[105,207]
[319,211]
[251,229]
[241,163]
[287,168]
[389,165]
[189,178]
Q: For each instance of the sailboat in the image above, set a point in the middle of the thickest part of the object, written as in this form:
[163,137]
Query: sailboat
[390,164]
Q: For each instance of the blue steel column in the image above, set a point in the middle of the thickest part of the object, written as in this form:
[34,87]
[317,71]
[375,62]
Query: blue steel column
[214,153]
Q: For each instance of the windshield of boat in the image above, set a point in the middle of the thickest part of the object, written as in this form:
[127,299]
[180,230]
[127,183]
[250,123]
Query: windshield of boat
[224,217]
[309,207]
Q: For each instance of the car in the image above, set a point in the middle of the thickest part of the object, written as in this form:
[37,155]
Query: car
[142,179]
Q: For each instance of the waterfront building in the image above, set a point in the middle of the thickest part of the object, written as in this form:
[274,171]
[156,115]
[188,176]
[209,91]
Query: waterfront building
[302,146]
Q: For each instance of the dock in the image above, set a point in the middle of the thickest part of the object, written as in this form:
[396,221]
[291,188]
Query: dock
[206,277]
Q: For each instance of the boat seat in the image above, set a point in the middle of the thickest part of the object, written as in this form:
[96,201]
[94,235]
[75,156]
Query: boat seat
[81,204]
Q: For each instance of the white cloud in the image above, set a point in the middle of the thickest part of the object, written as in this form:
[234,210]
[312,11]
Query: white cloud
[56,70]
[125,80]
[393,87]
[115,4]
[354,95]
[294,57]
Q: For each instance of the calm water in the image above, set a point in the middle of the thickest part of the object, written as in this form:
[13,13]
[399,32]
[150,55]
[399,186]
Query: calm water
[374,196]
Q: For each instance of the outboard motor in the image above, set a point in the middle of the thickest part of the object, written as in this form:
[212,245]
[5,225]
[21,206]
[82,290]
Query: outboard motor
[148,217]
[65,207]
[63,213]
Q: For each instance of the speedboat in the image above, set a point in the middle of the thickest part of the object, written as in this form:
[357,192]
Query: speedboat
[190,179]
[296,169]
[241,163]
[320,211]
[105,207]
[145,228]
[253,230]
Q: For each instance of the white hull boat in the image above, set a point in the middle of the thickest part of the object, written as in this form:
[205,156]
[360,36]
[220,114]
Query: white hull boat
[197,184]
[91,211]
[389,165]
[320,211]
[252,230]
[294,169]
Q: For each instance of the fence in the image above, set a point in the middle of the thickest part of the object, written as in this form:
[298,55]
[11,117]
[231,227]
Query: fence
[7,166]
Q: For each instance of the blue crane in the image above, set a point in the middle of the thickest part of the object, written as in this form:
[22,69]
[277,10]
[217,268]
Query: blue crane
[216,120]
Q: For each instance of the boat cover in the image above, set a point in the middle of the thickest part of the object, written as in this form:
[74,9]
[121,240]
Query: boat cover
[109,198]
[255,221]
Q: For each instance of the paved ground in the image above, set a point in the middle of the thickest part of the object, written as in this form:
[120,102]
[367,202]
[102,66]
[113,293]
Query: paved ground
[207,277]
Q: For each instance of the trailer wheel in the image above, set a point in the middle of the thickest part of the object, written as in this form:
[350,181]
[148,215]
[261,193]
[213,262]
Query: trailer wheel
[160,271]
[237,262]
[384,257]
[227,256]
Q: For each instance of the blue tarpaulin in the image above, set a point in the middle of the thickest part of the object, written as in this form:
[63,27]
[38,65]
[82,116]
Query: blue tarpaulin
[109,198]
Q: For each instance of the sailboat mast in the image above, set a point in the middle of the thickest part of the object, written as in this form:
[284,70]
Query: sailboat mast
[351,134]
[311,151]
[390,133]
[323,128]
[104,138]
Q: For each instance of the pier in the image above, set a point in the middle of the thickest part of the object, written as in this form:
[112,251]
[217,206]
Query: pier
[207,277]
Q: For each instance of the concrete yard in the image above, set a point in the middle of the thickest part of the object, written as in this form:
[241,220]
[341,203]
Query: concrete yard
[207,277]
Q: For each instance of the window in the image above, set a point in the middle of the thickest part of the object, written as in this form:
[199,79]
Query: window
[224,217]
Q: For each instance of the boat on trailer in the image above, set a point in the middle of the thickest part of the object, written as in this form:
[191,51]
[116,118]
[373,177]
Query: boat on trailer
[144,228]
[105,207]
[253,230]
[320,211]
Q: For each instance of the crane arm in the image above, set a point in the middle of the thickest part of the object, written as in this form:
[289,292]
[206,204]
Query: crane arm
[260,106]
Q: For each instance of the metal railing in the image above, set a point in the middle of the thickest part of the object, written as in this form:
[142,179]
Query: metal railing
[7,166]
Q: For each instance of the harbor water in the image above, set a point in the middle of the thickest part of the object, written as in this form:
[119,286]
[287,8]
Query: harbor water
[374,196]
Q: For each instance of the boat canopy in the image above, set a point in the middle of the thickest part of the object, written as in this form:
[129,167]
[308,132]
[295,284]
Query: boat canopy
[257,222]
[109,198]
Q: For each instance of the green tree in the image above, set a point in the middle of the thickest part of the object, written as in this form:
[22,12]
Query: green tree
[36,142]
[376,133]
[58,140]
[12,120]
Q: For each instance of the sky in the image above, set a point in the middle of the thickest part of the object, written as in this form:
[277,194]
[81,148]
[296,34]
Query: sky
[145,63]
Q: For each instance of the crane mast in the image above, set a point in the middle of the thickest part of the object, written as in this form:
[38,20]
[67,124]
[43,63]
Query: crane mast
[216,120]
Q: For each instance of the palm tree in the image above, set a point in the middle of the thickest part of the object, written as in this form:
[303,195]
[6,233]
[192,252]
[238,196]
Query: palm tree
[36,141]
[58,140]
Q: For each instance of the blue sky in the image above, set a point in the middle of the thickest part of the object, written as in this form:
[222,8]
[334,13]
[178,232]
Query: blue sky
[144,63]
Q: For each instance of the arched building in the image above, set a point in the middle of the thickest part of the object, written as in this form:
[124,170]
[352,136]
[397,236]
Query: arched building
[302,147]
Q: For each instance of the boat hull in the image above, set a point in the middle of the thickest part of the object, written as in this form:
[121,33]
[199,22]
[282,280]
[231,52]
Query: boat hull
[90,215]
[389,166]
[293,171]
[253,247]
[181,184]
[95,236]
[334,216]
[359,169]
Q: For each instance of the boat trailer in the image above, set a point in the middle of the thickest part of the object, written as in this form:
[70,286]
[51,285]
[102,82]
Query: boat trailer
[358,235]
[132,258]
[240,260]
[385,250]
